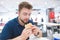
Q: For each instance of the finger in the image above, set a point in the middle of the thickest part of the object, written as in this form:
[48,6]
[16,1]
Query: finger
[28,32]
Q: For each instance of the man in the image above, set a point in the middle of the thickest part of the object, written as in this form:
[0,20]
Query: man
[15,29]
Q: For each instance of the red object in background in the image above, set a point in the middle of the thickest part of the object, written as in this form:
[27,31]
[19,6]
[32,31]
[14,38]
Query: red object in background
[51,15]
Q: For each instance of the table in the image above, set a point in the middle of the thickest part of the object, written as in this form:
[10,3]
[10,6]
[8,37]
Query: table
[50,24]
[32,37]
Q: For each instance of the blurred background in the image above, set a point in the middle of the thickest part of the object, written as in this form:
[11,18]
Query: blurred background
[43,11]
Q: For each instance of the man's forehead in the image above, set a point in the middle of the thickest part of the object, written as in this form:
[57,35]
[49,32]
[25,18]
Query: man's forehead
[26,10]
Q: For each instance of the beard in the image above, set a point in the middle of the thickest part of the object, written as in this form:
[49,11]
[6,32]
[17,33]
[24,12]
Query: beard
[23,21]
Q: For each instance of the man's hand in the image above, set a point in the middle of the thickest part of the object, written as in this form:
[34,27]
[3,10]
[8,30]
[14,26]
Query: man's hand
[36,31]
[26,33]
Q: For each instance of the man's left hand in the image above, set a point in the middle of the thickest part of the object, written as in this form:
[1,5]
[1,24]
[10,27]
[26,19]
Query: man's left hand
[36,31]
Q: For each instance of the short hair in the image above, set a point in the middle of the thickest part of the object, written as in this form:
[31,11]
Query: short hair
[24,5]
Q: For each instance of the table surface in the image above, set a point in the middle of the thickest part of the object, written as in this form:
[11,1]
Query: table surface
[42,38]
[32,37]
[50,24]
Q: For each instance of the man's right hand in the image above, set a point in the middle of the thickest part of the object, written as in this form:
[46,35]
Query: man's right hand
[26,33]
